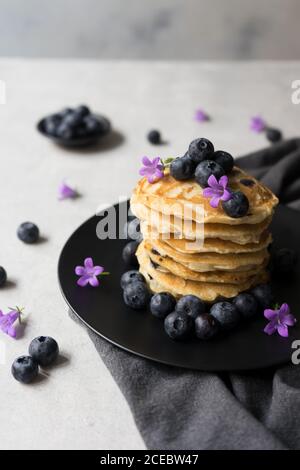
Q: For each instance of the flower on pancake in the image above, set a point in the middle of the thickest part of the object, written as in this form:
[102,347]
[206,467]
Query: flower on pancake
[279,320]
[257,124]
[217,190]
[152,169]
[88,273]
[201,116]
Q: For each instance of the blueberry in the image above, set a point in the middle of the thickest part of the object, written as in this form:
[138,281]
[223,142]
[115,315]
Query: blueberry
[200,150]
[136,295]
[28,232]
[225,160]
[154,137]
[263,294]
[72,120]
[24,369]
[206,326]
[237,206]
[134,230]
[273,135]
[51,123]
[92,125]
[65,112]
[190,305]
[178,325]
[283,261]
[44,350]
[82,111]
[3,276]
[182,168]
[162,304]
[205,169]
[128,253]
[64,131]
[226,314]
[246,304]
[131,276]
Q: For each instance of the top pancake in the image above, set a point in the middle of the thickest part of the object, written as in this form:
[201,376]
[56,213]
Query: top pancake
[183,199]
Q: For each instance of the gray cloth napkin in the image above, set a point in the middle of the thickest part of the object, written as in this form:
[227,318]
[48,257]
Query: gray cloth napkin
[190,410]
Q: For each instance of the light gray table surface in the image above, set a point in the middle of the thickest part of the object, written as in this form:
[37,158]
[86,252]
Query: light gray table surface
[79,406]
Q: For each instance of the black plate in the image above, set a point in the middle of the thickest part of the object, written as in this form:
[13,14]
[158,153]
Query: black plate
[103,310]
[77,141]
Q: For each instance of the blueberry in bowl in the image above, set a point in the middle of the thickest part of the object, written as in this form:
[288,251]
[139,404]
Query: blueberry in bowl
[74,127]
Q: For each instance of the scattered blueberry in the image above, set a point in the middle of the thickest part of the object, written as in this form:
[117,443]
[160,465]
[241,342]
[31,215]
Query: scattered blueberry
[128,253]
[44,350]
[136,295]
[190,305]
[182,168]
[205,169]
[237,206]
[263,294]
[224,159]
[246,304]
[226,314]
[206,326]
[273,135]
[28,232]
[131,276]
[283,261]
[154,137]
[134,230]
[3,276]
[162,304]
[178,325]
[200,150]
[24,369]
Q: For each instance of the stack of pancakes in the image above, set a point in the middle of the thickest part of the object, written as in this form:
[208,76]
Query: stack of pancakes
[190,247]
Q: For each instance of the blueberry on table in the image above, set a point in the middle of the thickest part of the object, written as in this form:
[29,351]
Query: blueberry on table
[283,261]
[154,137]
[263,294]
[178,325]
[128,253]
[3,276]
[225,160]
[190,305]
[237,206]
[273,135]
[206,326]
[24,369]
[134,230]
[205,169]
[246,304]
[136,295]
[28,232]
[162,304]
[131,276]
[200,150]
[44,350]
[182,168]
[226,314]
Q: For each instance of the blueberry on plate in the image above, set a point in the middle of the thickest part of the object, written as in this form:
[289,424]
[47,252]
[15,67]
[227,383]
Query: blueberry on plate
[178,325]
[237,206]
[134,230]
[182,168]
[92,125]
[225,160]
[24,369]
[136,295]
[72,120]
[246,304]
[64,112]
[44,350]
[190,305]
[273,135]
[200,150]
[226,314]
[131,276]
[51,124]
[206,326]
[263,294]
[283,261]
[162,304]
[3,276]
[82,111]
[28,232]
[205,169]
[154,137]
[128,253]
[64,131]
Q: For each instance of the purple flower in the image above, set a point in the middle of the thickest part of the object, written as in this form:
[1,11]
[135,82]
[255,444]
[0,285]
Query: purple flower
[153,170]
[217,190]
[201,115]
[7,321]
[279,320]
[66,192]
[257,124]
[88,273]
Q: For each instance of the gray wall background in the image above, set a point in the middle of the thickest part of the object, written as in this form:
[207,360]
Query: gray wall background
[151,29]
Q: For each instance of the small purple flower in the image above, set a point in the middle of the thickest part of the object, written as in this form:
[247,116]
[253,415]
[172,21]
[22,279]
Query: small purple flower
[201,115]
[279,320]
[153,170]
[217,190]
[88,273]
[257,124]
[7,321]
[66,192]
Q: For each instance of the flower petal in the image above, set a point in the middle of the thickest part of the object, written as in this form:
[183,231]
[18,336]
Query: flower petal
[93,281]
[227,195]
[289,320]
[284,310]
[212,182]
[270,328]
[83,281]
[156,161]
[214,202]
[270,314]
[146,161]
[79,270]
[208,192]
[98,270]
[88,263]
[283,330]
[1,313]
[11,331]
[223,181]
